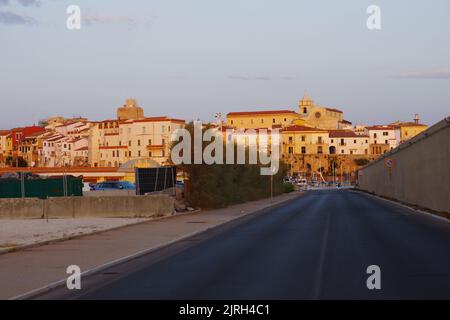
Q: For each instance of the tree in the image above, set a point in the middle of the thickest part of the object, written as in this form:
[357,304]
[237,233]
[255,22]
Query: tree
[219,185]
[16,162]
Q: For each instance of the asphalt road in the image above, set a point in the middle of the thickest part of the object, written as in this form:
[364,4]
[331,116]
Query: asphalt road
[315,247]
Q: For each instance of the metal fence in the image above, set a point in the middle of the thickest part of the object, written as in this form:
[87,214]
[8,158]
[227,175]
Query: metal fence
[150,180]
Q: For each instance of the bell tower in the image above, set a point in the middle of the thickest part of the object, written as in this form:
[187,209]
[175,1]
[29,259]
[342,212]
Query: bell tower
[305,104]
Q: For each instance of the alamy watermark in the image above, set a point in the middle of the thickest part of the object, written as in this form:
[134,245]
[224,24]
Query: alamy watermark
[73,282]
[261,147]
[374,20]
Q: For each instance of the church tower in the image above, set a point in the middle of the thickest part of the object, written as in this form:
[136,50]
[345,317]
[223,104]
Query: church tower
[305,104]
[130,110]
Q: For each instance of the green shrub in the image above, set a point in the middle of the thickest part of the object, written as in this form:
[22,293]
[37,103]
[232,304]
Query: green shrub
[288,187]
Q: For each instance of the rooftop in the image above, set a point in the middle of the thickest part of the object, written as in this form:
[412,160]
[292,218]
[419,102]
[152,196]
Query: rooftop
[262,112]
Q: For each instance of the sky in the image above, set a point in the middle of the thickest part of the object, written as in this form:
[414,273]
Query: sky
[193,58]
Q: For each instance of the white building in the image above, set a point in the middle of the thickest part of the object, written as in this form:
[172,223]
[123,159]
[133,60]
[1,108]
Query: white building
[348,142]
[382,137]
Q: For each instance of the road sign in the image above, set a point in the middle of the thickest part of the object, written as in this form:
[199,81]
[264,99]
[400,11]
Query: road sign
[389,163]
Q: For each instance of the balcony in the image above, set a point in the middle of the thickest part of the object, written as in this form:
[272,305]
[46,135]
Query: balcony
[152,147]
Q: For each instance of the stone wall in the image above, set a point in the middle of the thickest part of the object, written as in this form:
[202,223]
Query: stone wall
[75,207]
[419,173]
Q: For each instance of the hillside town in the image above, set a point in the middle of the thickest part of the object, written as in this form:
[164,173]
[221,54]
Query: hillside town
[314,138]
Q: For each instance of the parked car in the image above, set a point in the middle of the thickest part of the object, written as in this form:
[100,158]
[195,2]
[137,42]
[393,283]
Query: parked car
[114,185]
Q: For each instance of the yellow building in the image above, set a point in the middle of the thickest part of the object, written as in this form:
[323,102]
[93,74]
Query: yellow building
[5,145]
[320,117]
[261,119]
[304,140]
[113,143]
[408,130]
[130,110]
[309,115]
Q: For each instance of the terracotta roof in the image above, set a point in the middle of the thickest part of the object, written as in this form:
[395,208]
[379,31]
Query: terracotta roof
[82,149]
[345,134]
[157,119]
[381,127]
[334,110]
[263,112]
[302,128]
[346,121]
[409,124]
[4,132]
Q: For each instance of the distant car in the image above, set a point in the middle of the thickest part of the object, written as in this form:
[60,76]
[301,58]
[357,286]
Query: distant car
[114,185]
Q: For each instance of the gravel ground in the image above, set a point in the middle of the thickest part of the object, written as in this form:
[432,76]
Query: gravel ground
[15,233]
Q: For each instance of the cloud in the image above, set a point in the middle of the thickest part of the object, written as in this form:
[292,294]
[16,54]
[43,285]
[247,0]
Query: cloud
[434,74]
[30,3]
[25,3]
[11,18]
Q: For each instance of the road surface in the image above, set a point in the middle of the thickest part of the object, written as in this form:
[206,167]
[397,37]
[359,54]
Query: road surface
[317,246]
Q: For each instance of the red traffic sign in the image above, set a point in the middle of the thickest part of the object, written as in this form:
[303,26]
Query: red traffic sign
[389,163]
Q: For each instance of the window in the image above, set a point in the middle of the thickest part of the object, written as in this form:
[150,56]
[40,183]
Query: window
[305,110]
[129,143]
[262,120]
[303,150]
[129,154]
[290,139]
[354,141]
[285,119]
[139,153]
[273,120]
[342,151]
[149,142]
[319,140]
[375,135]
[291,150]
[332,141]
[385,133]
[232,122]
[114,153]
[163,141]
[139,142]
[149,153]
[303,138]
[386,142]
[319,150]
[342,142]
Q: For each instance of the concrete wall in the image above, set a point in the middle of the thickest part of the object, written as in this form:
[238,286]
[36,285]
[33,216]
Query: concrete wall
[420,174]
[75,207]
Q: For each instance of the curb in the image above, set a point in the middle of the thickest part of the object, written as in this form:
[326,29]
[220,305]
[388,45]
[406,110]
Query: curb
[52,241]
[404,205]
[53,285]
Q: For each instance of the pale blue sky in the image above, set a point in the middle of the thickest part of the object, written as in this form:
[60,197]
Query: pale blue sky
[192,58]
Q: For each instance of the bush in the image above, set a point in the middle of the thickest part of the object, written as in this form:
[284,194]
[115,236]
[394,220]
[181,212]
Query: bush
[288,187]
[220,185]
[361,161]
